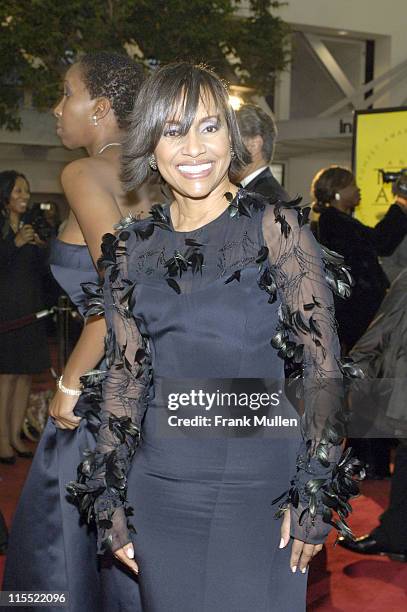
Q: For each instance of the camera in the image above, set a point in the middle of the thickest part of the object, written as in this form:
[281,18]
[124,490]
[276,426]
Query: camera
[36,218]
[398,180]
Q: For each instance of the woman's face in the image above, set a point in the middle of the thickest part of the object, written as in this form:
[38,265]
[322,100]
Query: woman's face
[195,164]
[74,111]
[350,195]
[19,197]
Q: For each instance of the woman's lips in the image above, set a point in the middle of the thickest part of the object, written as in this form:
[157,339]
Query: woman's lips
[193,171]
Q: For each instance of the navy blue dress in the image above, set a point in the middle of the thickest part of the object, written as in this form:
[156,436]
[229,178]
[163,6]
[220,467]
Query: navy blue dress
[226,301]
[50,548]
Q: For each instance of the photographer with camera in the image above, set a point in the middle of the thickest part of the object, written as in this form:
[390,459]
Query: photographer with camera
[335,196]
[24,349]
[397,262]
[37,217]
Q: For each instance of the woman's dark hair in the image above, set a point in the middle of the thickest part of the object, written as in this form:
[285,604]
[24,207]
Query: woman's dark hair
[113,76]
[326,183]
[174,86]
[8,179]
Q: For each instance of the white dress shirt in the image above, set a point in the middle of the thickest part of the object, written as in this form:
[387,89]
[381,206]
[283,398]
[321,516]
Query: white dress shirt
[252,176]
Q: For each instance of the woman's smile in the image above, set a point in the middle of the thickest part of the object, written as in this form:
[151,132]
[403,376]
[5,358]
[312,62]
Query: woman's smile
[195,170]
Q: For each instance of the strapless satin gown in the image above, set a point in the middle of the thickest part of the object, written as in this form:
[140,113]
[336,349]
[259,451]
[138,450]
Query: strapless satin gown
[49,548]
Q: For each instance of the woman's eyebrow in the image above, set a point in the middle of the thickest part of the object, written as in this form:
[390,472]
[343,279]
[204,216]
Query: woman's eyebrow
[217,117]
[178,121]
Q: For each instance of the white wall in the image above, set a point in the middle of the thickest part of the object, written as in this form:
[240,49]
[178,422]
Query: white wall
[378,17]
[301,170]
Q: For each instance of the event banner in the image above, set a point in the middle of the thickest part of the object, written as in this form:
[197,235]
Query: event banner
[379,146]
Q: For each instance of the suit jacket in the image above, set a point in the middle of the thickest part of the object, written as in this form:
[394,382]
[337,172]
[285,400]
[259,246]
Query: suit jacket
[396,263]
[265,184]
[382,355]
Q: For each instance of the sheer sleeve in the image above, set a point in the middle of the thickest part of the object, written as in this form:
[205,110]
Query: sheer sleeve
[306,336]
[102,477]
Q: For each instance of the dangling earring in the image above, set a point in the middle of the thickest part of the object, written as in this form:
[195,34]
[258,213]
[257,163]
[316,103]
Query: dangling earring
[232,152]
[95,120]
[152,162]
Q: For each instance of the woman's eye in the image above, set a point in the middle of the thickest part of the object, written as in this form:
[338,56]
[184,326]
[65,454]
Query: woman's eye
[171,131]
[210,129]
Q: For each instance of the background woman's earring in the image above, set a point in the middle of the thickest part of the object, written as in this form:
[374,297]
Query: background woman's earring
[337,197]
[152,162]
[95,120]
[232,153]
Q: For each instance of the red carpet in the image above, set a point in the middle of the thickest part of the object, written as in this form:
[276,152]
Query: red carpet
[357,583]
[352,583]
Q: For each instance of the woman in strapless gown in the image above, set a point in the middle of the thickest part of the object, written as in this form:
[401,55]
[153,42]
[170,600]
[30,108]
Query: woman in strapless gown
[50,549]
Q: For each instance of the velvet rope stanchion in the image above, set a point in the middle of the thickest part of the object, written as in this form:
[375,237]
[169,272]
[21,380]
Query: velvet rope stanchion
[6,326]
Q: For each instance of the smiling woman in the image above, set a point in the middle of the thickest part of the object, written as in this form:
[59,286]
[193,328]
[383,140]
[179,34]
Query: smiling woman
[217,284]
[24,350]
[172,116]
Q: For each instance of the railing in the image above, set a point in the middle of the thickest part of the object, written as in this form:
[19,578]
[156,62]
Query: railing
[380,85]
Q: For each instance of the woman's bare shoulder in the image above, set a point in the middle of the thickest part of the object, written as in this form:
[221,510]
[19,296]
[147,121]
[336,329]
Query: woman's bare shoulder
[90,168]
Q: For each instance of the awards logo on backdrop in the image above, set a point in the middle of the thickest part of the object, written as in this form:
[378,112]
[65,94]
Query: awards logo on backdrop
[379,146]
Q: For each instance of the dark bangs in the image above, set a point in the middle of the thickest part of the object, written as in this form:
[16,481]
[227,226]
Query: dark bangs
[173,92]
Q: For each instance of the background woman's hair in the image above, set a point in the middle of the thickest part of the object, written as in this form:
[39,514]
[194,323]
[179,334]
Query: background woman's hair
[326,183]
[8,179]
[178,85]
[113,76]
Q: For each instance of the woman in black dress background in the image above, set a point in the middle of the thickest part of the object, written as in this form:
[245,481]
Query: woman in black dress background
[24,350]
[336,195]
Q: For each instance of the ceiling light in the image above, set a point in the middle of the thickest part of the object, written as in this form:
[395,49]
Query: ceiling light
[235,102]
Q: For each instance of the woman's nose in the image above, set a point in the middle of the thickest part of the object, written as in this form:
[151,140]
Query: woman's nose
[57,112]
[193,144]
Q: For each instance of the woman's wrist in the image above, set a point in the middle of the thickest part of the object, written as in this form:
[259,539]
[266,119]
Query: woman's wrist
[69,388]
[71,377]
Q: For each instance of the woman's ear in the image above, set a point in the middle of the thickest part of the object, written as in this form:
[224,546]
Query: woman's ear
[102,107]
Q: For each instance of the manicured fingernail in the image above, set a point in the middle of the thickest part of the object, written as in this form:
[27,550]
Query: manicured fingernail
[304,569]
[130,553]
[294,569]
[281,545]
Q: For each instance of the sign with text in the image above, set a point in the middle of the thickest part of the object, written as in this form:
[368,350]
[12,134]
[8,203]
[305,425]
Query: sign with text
[379,144]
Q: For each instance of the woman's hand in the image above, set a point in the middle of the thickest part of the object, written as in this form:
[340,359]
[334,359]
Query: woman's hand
[38,242]
[61,410]
[301,553]
[126,556]
[24,236]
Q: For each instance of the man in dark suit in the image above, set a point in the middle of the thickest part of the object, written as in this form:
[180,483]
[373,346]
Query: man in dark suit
[259,133]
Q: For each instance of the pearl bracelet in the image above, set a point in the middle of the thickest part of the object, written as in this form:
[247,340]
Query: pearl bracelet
[66,390]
